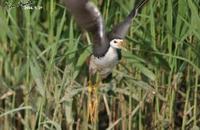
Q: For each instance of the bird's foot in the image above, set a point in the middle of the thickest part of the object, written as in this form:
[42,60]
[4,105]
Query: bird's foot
[92,101]
[92,109]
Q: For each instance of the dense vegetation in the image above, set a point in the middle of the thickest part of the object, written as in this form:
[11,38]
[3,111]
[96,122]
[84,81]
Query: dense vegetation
[156,85]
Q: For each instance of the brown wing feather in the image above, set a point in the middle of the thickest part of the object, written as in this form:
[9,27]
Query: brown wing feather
[88,17]
[120,30]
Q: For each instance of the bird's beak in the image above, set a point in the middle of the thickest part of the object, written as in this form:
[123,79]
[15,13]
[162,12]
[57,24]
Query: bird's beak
[122,45]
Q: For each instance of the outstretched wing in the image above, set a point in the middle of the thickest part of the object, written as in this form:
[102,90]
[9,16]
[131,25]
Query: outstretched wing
[120,30]
[88,17]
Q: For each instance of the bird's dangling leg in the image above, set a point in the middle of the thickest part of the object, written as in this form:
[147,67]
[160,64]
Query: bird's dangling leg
[92,104]
[92,99]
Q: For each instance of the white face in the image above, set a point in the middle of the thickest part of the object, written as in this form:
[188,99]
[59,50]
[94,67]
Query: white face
[117,43]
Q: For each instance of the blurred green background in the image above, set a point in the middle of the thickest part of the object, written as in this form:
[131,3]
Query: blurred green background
[156,86]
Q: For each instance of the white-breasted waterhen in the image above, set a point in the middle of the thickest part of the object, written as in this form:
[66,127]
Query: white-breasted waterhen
[106,45]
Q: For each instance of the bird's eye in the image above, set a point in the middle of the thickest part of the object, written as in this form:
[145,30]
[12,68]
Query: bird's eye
[115,41]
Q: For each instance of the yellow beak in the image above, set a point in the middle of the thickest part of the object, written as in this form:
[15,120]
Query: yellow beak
[122,45]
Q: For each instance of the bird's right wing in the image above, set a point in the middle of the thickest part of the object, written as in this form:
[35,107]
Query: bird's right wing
[88,17]
[120,30]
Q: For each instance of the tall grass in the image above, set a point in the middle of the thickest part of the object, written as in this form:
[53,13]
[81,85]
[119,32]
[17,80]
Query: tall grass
[155,86]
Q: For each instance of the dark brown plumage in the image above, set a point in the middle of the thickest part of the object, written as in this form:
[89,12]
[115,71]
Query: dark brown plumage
[105,56]
[121,29]
[89,17]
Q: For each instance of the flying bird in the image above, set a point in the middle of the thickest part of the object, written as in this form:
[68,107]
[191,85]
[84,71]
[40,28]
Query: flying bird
[106,45]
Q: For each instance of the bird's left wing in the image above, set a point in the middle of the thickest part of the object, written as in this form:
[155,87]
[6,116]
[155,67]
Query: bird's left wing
[88,17]
[120,30]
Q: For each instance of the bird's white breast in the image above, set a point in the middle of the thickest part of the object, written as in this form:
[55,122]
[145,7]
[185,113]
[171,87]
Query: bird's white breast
[104,65]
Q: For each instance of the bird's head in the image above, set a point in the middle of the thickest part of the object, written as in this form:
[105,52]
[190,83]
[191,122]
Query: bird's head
[117,44]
